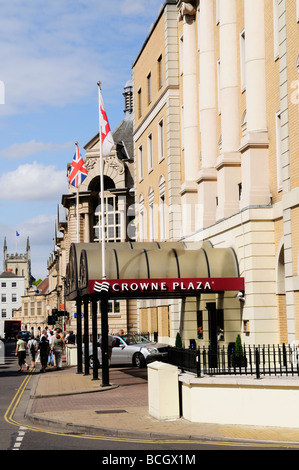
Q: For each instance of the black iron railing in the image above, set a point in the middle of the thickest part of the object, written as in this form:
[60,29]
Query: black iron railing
[255,360]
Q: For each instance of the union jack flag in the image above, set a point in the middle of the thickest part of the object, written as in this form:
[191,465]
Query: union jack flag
[78,171]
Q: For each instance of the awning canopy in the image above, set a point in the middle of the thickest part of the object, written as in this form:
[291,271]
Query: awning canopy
[146,270]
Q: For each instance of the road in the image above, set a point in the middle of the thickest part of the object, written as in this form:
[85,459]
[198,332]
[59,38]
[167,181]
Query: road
[17,434]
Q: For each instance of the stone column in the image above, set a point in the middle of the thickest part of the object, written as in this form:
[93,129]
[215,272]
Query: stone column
[207,177]
[86,228]
[254,146]
[229,161]
[190,125]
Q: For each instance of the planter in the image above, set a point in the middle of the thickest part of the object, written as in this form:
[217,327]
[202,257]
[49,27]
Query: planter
[240,361]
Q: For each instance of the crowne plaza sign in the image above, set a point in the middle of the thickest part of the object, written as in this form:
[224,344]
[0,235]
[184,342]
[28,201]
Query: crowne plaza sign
[181,287]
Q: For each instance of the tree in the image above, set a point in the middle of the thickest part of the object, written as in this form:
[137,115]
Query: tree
[238,347]
[178,341]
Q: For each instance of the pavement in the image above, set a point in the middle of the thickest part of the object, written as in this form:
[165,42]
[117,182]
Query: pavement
[76,403]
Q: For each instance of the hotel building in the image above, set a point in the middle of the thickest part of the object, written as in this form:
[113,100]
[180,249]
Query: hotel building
[216,160]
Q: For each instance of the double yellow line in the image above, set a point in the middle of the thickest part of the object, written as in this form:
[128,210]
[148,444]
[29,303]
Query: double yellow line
[16,400]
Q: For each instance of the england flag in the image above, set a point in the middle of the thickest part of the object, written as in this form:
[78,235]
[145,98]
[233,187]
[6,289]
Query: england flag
[107,139]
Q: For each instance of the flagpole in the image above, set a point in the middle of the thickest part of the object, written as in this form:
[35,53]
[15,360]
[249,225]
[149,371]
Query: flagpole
[104,298]
[77,202]
[102,190]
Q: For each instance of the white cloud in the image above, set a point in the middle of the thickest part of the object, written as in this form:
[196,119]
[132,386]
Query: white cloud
[31,148]
[39,229]
[26,149]
[33,182]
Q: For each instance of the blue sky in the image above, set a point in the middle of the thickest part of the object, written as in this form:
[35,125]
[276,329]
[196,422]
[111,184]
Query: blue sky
[52,54]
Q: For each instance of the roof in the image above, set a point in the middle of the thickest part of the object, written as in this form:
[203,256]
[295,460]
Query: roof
[43,286]
[10,274]
[124,134]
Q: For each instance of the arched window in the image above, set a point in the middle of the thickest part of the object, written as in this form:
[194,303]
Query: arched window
[151,215]
[162,208]
[280,273]
[141,218]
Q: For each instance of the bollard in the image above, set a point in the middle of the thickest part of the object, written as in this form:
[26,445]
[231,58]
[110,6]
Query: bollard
[257,363]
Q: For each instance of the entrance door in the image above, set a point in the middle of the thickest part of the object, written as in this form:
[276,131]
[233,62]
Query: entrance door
[212,319]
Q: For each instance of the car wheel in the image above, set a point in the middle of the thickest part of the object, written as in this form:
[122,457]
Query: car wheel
[91,362]
[138,360]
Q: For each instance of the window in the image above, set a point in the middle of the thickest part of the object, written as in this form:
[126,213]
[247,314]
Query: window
[162,218]
[13,284]
[242,61]
[112,220]
[150,151]
[162,208]
[140,163]
[160,72]
[151,215]
[151,223]
[139,103]
[199,325]
[25,309]
[161,140]
[141,218]
[278,151]
[149,88]
[3,297]
[3,284]
[3,313]
[113,306]
[240,191]
[13,297]
[220,325]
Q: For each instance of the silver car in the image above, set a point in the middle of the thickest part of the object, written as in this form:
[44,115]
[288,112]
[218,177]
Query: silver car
[133,349]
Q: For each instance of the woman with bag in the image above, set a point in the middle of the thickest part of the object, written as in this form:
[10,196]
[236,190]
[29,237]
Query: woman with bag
[58,346]
[33,347]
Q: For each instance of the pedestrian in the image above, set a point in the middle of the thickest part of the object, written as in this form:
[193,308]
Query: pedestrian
[21,353]
[70,338]
[50,358]
[111,344]
[32,345]
[44,349]
[58,346]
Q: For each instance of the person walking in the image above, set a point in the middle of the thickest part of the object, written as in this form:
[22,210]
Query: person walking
[21,353]
[70,338]
[111,344]
[57,347]
[50,358]
[44,349]
[33,348]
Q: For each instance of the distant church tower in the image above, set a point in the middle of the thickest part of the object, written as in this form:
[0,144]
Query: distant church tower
[18,263]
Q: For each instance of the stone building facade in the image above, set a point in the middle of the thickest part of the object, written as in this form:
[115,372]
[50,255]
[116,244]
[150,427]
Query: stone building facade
[216,152]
